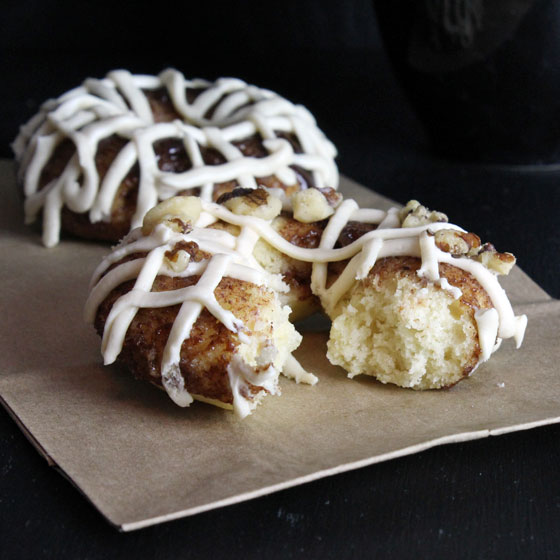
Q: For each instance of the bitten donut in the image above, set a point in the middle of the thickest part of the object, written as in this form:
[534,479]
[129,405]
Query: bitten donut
[190,309]
[422,301]
[414,300]
[96,159]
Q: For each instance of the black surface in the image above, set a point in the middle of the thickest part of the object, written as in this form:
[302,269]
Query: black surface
[483,76]
[493,498]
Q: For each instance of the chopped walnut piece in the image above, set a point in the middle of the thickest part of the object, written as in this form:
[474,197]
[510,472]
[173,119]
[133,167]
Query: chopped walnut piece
[177,213]
[456,242]
[311,205]
[333,197]
[414,215]
[252,202]
[486,248]
[500,263]
[459,243]
[182,253]
[179,261]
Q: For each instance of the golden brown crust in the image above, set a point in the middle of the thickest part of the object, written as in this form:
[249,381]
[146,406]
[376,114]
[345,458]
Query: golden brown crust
[299,233]
[208,351]
[473,294]
[297,274]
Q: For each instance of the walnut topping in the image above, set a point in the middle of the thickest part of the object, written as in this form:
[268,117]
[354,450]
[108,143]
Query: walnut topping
[178,225]
[459,243]
[456,242]
[333,197]
[179,261]
[252,202]
[414,215]
[500,263]
[178,258]
[177,213]
[311,205]
[254,196]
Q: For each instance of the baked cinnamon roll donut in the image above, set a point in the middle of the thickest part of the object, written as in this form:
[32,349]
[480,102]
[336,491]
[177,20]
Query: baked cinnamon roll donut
[414,300]
[96,159]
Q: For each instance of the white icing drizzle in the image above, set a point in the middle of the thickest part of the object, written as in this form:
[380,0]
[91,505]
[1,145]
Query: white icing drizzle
[240,376]
[294,370]
[118,105]
[428,250]
[232,256]
[444,284]
[487,321]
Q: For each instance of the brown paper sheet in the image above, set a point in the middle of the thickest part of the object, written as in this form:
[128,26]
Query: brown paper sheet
[142,460]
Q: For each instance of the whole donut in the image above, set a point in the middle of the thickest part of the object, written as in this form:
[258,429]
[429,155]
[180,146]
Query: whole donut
[97,158]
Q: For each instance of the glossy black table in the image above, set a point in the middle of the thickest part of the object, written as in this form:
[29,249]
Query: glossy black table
[492,498]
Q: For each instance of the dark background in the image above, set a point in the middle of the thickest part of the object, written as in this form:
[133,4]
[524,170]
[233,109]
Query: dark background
[496,498]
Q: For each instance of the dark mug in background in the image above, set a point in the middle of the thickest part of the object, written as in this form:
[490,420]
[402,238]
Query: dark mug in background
[483,76]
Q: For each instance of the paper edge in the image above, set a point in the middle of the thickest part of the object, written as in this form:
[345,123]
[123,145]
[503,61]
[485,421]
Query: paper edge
[29,436]
[345,467]
[298,481]
[51,462]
